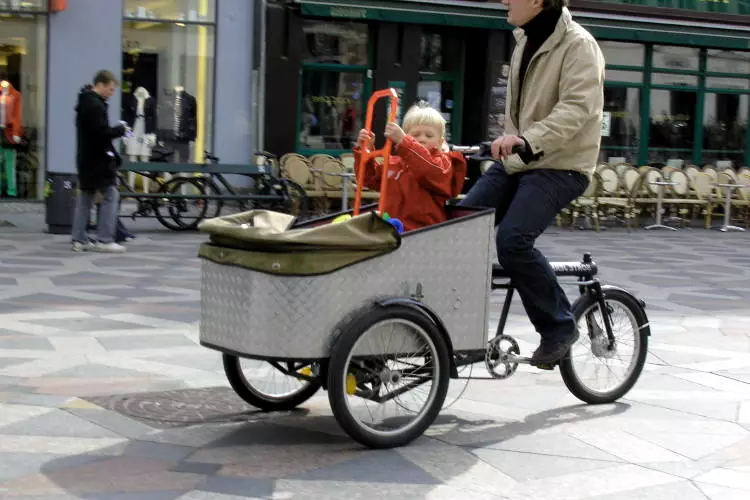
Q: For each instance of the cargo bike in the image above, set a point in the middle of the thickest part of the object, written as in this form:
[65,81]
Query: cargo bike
[379,318]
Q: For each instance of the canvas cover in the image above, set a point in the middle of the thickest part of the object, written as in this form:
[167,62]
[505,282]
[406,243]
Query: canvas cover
[267,241]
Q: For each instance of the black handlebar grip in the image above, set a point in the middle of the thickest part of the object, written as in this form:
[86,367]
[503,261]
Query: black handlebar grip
[485,151]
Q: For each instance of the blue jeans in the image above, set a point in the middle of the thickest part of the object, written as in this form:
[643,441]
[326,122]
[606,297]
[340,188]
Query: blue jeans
[105,225]
[525,204]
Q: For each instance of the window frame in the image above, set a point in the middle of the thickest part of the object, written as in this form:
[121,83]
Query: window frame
[198,153]
[363,69]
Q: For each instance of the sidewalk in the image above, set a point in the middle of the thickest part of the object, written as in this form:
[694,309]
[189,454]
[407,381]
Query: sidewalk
[105,394]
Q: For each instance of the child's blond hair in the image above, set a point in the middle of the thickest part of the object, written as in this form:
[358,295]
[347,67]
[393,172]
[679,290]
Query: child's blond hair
[424,115]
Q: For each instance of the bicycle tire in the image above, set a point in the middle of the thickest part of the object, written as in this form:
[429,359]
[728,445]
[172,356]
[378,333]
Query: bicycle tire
[173,219]
[637,314]
[245,389]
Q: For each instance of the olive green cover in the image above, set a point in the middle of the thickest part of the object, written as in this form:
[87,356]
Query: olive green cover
[267,241]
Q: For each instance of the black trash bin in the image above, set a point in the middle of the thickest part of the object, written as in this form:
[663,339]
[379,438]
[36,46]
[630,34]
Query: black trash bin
[60,202]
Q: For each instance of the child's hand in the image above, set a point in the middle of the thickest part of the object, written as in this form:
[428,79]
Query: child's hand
[365,136]
[394,133]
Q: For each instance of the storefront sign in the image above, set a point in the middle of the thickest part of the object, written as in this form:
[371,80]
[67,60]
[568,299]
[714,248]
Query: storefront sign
[718,6]
[349,12]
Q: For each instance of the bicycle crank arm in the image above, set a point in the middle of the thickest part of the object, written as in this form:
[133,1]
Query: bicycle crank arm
[523,360]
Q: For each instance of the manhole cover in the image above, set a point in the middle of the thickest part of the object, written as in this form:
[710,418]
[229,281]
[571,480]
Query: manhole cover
[181,407]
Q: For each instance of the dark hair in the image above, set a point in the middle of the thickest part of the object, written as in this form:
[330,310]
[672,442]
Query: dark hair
[554,4]
[105,77]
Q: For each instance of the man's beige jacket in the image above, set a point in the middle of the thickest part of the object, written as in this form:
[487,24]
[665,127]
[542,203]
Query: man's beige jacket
[560,111]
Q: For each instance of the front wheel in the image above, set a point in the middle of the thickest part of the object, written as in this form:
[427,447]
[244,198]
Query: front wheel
[619,362]
[388,359]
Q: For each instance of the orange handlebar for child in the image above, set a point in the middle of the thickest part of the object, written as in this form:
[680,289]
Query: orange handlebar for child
[366,155]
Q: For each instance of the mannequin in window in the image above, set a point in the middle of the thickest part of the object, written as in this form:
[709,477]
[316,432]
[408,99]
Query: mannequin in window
[140,115]
[10,134]
[184,127]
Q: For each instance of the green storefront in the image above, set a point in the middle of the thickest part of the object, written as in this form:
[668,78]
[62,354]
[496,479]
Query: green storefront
[678,72]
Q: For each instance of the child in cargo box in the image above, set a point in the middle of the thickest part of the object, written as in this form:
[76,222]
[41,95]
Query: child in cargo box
[422,174]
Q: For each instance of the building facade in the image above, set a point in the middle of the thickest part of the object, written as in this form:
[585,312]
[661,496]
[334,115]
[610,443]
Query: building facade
[186,71]
[234,76]
[677,89]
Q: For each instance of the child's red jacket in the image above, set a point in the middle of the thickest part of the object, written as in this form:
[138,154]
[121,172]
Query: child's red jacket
[419,183]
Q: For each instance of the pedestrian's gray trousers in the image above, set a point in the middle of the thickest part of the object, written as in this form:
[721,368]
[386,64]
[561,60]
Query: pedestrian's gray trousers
[105,224]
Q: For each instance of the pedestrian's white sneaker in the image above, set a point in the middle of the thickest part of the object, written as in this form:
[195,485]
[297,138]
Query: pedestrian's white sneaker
[111,247]
[82,247]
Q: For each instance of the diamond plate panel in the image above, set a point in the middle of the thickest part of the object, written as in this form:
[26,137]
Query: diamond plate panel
[294,317]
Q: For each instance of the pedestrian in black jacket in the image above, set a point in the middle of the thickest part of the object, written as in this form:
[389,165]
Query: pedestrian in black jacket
[97,162]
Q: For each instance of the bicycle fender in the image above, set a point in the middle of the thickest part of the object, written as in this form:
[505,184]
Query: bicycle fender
[430,314]
[641,303]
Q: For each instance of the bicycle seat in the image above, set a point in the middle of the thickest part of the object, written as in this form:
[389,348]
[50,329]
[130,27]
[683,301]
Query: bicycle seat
[575,269]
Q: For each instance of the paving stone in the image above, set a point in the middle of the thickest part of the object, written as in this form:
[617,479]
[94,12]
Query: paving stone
[86,324]
[524,466]
[145,342]
[377,467]
[6,362]
[682,490]
[161,451]
[30,342]
[241,486]
[156,495]
[57,424]
[114,422]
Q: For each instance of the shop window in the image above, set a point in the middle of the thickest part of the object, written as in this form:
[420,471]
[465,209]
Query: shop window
[167,89]
[674,80]
[203,11]
[728,61]
[676,58]
[331,109]
[622,54]
[335,43]
[431,52]
[23,66]
[672,124]
[616,75]
[622,125]
[724,125]
[23,6]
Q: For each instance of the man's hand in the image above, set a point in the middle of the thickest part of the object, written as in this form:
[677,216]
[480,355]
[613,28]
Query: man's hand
[502,147]
[394,133]
[16,139]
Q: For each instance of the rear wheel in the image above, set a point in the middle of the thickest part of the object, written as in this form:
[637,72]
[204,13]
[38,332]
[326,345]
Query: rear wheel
[385,360]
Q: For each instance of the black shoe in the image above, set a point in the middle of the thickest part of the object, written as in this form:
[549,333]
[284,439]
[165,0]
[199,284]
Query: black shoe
[549,353]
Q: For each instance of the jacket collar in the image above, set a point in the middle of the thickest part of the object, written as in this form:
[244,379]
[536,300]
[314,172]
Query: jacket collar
[556,36]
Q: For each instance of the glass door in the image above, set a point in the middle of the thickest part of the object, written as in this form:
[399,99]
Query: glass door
[441,94]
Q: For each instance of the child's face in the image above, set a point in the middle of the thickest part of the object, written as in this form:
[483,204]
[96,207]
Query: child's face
[427,135]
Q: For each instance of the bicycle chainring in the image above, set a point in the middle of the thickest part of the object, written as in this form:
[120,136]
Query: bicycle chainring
[499,356]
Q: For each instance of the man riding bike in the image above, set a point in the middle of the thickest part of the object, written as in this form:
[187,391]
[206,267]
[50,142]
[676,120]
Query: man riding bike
[554,111]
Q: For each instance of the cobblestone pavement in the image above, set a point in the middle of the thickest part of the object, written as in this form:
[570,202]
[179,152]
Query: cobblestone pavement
[104,392]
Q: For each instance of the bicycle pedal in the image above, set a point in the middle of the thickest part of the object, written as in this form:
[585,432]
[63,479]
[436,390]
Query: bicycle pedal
[521,360]
[545,366]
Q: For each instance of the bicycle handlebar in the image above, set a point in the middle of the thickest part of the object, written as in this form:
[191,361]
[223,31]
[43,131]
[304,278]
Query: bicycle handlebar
[482,151]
